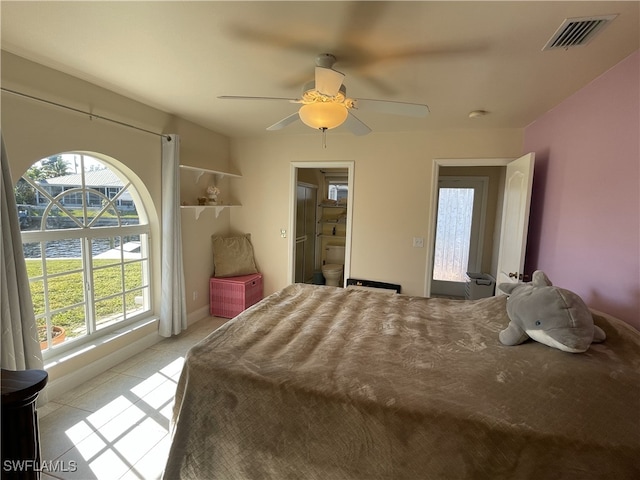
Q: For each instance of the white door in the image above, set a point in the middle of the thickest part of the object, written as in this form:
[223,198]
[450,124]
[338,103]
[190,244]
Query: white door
[515,220]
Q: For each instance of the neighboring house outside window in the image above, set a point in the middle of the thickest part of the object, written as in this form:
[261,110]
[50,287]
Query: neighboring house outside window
[85,237]
[104,181]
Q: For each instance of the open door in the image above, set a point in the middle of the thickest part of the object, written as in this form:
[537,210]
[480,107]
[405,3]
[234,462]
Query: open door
[515,220]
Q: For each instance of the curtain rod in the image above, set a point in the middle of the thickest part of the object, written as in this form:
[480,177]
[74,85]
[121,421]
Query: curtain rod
[91,115]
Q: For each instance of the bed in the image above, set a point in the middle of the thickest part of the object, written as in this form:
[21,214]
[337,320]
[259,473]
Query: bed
[319,382]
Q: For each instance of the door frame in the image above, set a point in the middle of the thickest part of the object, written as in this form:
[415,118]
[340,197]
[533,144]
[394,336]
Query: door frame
[433,210]
[293,184]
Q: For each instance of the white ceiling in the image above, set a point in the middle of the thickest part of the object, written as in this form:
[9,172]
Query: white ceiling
[463,56]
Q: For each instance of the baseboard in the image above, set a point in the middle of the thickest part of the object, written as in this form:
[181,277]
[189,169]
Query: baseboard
[197,315]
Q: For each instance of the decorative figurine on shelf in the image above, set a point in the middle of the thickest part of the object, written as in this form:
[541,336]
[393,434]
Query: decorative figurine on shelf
[212,194]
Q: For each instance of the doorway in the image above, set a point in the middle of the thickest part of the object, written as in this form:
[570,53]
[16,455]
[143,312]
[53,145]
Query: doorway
[508,236]
[302,172]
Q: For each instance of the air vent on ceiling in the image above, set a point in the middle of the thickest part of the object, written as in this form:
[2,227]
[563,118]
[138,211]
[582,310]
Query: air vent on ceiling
[575,32]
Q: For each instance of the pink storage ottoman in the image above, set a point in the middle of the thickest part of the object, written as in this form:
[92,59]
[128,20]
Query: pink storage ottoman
[231,295]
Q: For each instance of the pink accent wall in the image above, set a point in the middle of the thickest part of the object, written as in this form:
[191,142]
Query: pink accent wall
[585,214]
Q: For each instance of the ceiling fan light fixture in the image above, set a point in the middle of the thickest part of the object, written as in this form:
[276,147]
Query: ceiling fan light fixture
[323,115]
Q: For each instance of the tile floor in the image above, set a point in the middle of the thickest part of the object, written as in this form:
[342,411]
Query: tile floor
[116,426]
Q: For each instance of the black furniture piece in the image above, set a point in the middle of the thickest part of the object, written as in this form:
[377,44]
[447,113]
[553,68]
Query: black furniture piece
[20,436]
[373,284]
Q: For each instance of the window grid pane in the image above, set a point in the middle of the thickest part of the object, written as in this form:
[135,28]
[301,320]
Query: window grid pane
[73,323]
[109,311]
[137,302]
[107,281]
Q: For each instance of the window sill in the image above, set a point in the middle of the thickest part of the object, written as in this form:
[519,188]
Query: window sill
[58,360]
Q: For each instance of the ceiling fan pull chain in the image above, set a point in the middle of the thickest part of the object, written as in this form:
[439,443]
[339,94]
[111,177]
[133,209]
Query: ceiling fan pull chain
[324,137]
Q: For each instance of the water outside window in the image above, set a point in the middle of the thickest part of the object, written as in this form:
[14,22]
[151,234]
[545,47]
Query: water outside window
[453,234]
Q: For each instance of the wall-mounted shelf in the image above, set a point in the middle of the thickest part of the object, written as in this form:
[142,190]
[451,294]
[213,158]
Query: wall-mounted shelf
[198,209]
[334,221]
[337,235]
[333,205]
[331,214]
[219,175]
[201,171]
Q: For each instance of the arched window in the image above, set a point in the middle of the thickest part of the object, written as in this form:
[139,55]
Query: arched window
[85,237]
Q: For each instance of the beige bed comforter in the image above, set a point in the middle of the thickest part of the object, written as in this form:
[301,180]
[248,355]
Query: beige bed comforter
[327,383]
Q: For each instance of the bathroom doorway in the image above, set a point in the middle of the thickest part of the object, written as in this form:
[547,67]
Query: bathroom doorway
[505,236]
[308,175]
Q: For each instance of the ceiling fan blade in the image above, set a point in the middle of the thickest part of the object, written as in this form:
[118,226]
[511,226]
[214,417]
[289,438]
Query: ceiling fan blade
[288,42]
[361,18]
[355,125]
[238,97]
[395,108]
[284,122]
[328,81]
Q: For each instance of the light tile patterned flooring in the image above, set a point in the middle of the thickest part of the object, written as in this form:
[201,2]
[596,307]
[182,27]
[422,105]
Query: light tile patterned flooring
[116,426]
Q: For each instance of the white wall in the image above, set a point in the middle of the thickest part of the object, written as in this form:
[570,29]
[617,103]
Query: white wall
[392,191]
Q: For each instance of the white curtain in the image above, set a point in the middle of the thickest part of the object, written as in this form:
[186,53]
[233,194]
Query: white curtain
[173,310]
[20,345]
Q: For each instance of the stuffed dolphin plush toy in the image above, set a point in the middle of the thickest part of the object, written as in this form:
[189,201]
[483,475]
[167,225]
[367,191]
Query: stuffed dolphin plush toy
[550,315]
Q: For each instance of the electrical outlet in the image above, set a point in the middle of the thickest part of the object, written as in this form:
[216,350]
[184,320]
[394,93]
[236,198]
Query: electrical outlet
[418,242]
[283,233]
[195,295]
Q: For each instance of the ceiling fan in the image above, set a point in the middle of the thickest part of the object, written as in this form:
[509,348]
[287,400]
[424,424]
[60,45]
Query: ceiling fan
[325,104]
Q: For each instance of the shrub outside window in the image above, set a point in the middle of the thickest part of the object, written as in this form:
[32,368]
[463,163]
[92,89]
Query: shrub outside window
[85,238]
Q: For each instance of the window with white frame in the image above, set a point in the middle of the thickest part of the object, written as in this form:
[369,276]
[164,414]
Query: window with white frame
[85,237]
[337,185]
